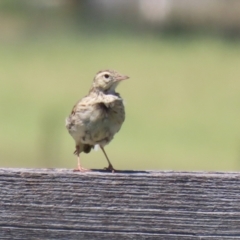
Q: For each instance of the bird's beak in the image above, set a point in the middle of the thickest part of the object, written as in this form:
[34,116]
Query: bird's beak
[121,77]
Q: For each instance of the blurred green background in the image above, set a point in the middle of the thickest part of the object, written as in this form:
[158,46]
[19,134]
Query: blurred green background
[182,98]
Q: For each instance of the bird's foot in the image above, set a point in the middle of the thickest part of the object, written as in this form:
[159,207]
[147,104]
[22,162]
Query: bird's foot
[110,168]
[81,169]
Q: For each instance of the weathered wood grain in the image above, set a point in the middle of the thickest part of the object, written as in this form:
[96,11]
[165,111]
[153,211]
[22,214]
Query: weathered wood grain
[61,204]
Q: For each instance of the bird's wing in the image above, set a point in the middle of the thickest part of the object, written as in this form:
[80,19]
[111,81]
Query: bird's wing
[81,108]
[80,105]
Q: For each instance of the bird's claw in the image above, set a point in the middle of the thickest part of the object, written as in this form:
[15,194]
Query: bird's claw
[81,169]
[110,168]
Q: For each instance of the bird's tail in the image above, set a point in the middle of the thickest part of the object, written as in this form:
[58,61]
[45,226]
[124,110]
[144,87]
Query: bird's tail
[87,148]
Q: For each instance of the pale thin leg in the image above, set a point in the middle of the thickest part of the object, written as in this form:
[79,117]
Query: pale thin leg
[79,167]
[110,166]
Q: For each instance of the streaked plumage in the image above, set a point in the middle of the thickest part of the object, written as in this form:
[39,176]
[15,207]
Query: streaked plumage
[97,117]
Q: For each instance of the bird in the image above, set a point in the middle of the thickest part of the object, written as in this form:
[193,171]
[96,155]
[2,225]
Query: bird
[98,116]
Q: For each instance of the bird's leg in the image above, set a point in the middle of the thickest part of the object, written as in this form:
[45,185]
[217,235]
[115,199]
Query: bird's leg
[110,166]
[79,167]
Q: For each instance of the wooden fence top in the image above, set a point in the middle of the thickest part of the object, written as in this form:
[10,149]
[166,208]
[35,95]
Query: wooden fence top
[62,204]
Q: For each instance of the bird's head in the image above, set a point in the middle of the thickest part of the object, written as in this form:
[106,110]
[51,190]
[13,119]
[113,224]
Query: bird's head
[107,80]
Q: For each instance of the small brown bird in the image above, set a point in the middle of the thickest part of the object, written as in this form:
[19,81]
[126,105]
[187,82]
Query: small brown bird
[97,117]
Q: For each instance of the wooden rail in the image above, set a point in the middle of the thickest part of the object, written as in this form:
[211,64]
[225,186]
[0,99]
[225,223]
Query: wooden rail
[62,204]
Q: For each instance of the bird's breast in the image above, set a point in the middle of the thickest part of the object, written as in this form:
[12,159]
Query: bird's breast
[112,113]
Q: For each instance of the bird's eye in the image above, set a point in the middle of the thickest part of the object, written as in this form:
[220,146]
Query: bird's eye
[106,76]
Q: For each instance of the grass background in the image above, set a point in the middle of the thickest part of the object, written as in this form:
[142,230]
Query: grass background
[182,101]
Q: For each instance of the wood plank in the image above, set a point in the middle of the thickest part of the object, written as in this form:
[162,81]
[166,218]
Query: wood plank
[62,204]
